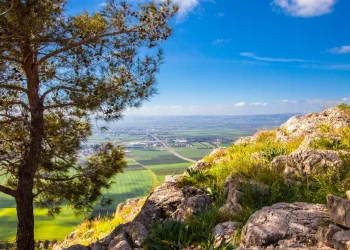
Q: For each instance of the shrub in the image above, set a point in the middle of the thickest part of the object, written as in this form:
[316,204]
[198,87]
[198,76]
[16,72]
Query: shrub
[344,107]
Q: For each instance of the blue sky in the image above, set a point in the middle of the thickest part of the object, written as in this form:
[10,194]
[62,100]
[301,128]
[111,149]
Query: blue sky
[252,57]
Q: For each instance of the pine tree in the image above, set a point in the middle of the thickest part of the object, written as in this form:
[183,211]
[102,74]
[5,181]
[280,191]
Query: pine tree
[56,72]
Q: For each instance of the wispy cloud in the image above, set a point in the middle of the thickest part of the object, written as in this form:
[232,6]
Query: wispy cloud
[220,14]
[305,8]
[340,67]
[288,101]
[221,41]
[258,104]
[187,6]
[240,104]
[270,59]
[340,50]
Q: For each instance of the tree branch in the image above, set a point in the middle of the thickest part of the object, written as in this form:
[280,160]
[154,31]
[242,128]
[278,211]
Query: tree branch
[18,119]
[13,87]
[8,10]
[58,88]
[84,41]
[62,105]
[8,191]
[10,59]
[57,179]
[24,105]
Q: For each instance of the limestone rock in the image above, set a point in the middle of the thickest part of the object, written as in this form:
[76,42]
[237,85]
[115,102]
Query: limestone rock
[77,247]
[339,210]
[304,161]
[283,221]
[171,201]
[224,232]
[72,235]
[300,126]
[129,209]
[200,165]
[243,140]
[233,193]
[132,235]
[218,155]
[341,240]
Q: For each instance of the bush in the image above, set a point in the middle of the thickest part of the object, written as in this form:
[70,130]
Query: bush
[344,107]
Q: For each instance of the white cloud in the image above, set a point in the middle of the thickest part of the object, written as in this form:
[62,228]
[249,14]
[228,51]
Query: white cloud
[288,101]
[258,104]
[305,8]
[340,50]
[221,41]
[220,14]
[270,59]
[240,104]
[185,6]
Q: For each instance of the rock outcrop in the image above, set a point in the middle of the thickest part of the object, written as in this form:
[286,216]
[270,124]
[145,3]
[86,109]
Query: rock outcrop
[129,209]
[285,224]
[301,126]
[171,201]
[167,201]
[304,161]
[199,165]
[339,210]
[233,191]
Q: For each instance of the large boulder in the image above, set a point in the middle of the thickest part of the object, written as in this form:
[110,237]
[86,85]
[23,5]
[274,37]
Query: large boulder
[233,192]
[293,224]
[171,201]
[305,161]
[339,210]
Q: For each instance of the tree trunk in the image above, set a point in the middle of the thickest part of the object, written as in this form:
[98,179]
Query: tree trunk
[26,173]
[25,215]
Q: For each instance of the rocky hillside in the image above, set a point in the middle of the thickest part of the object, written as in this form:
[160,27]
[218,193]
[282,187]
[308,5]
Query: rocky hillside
[281,189]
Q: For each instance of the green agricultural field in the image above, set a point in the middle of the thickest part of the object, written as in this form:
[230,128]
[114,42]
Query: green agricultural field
[148,154]
[46,228]
[198,145]
[193,153]
[128,185]
[169,169]
[209,145]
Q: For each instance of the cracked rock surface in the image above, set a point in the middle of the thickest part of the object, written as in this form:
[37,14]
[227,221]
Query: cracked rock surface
[297,222]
